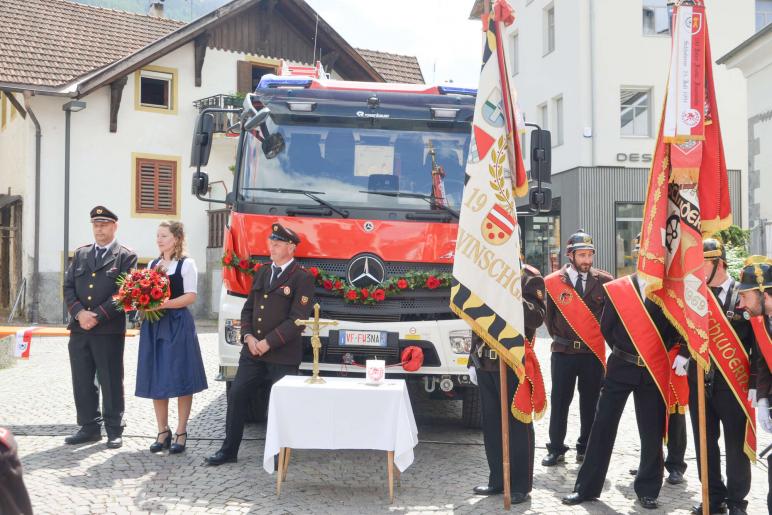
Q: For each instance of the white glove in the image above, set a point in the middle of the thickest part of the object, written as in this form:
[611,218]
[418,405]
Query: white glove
[763,415]
[472,375]
[752,397]
[679,365]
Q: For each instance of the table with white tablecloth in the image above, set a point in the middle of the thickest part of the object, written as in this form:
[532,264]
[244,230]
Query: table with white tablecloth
[342,413]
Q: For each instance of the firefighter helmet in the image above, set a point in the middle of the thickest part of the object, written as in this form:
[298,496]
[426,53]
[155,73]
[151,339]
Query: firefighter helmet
[580,240]
[756,274]
[713,248]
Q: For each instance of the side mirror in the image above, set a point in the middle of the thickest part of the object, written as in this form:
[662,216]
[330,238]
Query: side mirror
[540,199]
[273,145]
[251,117]
[202,140]
[541,156]
[200,183]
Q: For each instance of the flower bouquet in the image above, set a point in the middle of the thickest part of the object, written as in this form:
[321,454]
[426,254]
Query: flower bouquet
[143,290]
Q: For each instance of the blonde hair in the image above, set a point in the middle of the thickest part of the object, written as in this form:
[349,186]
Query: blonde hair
[178,231]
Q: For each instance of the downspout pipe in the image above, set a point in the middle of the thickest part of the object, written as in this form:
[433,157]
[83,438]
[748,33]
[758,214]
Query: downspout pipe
[34,312]
[593,134]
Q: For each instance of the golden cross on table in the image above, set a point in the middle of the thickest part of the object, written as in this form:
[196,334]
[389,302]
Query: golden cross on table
[316,343]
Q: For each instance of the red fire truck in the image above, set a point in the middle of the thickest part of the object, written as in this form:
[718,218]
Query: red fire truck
[371,176]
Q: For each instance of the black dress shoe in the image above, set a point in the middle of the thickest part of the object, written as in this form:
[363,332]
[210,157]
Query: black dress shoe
[519,497]
[675,478]
[83,436]
[553,459]
[219,458]
[719,508]
[650,503]
[488,490]
[736,510]
[575,498]
[580,457]
[114,442]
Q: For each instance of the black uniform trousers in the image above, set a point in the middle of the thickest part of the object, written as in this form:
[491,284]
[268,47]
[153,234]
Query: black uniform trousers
[251,376]
[650,415]
[676,443]
[521,436]
[567,371]
[98,358]
[722,409]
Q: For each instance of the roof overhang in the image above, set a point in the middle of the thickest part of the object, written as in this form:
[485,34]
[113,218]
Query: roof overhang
[752,54]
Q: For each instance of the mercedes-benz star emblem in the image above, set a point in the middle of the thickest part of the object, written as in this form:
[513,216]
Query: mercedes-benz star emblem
[365,270]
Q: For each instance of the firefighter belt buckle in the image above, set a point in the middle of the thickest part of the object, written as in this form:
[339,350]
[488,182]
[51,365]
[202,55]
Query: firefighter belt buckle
[577,344]
[493,354]
[640,362]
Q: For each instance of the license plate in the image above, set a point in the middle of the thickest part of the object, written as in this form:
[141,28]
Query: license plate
[362,338]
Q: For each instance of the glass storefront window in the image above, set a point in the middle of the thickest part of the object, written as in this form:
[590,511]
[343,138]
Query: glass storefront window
[542,241]
[628,219]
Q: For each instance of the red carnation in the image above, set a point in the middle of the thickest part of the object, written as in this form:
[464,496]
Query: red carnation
[136,276]
[352,295]
[145,283]
[144,300]
[156,293]
[244,263]
[365,293]
[228,259]
[127,305]
[314,271]
[327,284]
[432,282]
[402,284]
[379,294]
[338,285]
[256,267]
[135,293]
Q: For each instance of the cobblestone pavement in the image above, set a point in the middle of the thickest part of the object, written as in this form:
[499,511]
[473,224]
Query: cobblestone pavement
[36,402]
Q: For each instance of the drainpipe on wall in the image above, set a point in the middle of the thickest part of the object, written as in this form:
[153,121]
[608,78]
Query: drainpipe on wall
[592,82]
[35,305]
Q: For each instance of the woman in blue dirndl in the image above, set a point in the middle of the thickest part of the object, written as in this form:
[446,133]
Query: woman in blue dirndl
[170,363]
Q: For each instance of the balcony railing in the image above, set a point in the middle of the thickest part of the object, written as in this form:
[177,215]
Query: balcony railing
[221,120]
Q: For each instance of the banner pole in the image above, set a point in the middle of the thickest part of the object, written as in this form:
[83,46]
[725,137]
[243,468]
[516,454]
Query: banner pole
[504,396]
[703,439]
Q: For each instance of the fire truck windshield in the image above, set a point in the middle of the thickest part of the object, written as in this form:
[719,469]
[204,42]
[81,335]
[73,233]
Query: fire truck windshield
[347,163]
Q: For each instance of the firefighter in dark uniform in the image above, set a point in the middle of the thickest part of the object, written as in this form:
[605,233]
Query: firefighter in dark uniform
[272,344]
[627,373]
[521,436]
[722,409]
[97,330]
[572,360]
[756,300]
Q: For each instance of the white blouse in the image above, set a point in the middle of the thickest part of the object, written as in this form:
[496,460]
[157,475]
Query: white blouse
[189,273]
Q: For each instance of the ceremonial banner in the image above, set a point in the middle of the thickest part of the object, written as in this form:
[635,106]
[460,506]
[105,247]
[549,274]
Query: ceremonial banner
[688,192]
[23,343]
[577,314]
[486,290]
[732,361]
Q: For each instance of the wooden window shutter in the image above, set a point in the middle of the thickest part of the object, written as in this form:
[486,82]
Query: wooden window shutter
[156,186]
[244,77]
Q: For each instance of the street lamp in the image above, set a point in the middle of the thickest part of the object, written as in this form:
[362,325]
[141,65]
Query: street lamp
[73,106]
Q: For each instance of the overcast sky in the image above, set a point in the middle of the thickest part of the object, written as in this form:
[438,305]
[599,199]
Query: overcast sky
[448,45]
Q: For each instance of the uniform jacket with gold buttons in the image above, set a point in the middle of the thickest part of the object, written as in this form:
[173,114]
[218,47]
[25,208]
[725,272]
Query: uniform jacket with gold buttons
[90,284]
[270,313]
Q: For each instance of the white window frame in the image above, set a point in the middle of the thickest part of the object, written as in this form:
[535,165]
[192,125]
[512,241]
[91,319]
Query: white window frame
[557,108]
[646,89]
[543,114]
[548,30]
[667,8]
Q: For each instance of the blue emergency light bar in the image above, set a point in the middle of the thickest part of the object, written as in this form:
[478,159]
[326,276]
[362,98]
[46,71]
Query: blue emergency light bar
[291,82]
[453,90]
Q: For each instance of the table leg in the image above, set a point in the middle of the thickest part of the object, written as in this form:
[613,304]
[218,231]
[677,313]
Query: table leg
[288,452]
[399,476]
[390,460]
[279,474]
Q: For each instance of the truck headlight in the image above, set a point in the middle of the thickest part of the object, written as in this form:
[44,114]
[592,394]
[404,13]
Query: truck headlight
[233,331]
[461,341]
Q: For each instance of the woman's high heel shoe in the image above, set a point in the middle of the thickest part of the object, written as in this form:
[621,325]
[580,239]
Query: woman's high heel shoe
[163,444]
[177,448]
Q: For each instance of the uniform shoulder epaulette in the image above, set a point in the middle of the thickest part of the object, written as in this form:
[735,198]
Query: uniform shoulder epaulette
[604,273]
[126,248]
[83,246]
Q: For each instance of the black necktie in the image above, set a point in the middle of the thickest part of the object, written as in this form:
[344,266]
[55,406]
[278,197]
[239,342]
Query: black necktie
[717,292]
[275,271]
[100,253]
[579,286]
